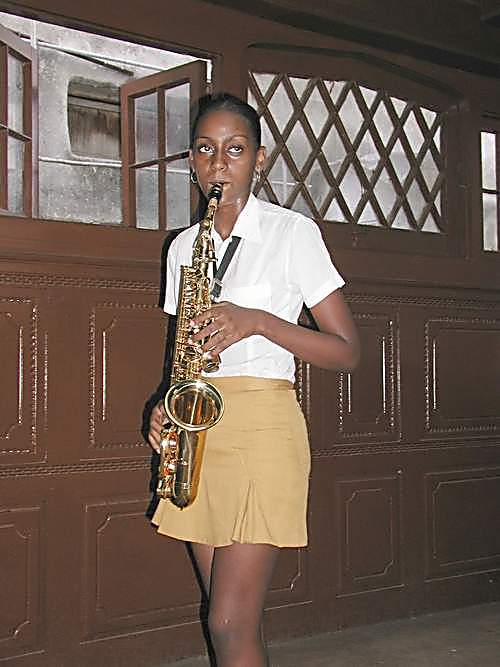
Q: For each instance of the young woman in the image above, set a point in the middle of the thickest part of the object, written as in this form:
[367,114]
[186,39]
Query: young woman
[254,481]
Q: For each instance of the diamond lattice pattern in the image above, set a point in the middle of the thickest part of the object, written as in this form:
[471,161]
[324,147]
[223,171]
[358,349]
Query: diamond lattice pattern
[341,152]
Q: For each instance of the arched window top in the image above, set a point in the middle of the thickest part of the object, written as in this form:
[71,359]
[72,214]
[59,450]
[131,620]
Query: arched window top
[355,140]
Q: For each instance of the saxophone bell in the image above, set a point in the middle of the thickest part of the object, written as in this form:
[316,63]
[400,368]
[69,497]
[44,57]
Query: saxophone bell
[194,405]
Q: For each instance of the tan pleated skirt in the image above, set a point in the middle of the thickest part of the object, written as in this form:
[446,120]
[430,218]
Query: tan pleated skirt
[255,471]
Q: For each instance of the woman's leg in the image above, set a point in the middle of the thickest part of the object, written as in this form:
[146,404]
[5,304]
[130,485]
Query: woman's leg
[241,575]
[203,555]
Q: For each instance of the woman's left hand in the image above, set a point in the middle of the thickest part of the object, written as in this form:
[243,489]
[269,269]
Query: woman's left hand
[228,324]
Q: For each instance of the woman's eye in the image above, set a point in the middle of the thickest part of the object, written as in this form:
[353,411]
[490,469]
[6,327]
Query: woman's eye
[235,149]
[204,148]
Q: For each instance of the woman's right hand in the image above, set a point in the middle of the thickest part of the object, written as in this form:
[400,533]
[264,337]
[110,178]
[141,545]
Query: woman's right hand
[227,324]
[156,422]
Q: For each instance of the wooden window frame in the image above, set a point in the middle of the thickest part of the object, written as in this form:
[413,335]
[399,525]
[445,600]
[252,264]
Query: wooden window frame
[10,43]
[195,74]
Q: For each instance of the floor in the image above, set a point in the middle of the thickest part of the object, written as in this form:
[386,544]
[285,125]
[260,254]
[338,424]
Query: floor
[462,637]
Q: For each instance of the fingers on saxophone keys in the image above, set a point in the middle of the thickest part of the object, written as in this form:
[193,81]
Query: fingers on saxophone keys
[215,344]
[202,334]
[200,322]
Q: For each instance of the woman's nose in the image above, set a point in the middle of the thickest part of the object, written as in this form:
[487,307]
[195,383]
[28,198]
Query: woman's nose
[219,160]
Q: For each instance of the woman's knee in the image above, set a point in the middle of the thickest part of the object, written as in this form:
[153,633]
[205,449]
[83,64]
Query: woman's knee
[226,629]
[223,628]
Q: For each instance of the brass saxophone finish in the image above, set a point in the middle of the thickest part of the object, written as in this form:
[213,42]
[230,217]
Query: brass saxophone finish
[192,404]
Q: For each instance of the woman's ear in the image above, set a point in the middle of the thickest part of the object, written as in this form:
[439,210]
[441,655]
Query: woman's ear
[260,158]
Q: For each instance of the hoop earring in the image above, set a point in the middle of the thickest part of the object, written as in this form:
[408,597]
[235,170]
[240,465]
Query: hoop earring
[193,178]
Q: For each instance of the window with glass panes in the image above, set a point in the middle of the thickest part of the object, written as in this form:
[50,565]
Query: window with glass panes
[490,187]
[17,131]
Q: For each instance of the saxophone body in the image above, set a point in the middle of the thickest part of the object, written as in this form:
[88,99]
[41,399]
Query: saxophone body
[192,404]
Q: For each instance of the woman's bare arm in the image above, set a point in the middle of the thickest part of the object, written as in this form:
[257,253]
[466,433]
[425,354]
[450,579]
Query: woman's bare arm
[334,346]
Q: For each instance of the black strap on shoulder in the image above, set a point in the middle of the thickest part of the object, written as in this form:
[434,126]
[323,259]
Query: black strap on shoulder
[222,268]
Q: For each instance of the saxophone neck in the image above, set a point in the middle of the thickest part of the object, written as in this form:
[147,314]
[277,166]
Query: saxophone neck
[214,197]
[208,220]
[203,246]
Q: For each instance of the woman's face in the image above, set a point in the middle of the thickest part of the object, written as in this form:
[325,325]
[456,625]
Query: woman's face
[224,151]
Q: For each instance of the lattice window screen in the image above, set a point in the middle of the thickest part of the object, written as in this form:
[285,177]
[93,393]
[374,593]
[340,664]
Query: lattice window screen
[339,151]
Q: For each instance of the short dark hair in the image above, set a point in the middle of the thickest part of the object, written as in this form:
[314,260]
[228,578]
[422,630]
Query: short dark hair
[228,102]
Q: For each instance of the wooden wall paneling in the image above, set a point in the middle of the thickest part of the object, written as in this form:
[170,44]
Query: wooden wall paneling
[370,512]
[462,357]
[46,327]
[356,491]
[369,398]
[359,539]
[133,594]
[23,358]
[139,602]
[65,374]
[288,607]
[462,512]
[132,577]
[460,547]
[370,548]
[22,575]
[323,544]
[352,412]
[120,380]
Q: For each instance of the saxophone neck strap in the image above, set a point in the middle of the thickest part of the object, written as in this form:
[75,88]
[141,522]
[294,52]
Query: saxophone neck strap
[222,268]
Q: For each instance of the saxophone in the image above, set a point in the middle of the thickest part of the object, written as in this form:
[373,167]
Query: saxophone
[192,404]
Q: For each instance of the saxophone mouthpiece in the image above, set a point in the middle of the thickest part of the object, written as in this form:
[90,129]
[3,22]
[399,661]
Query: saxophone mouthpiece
[215,192]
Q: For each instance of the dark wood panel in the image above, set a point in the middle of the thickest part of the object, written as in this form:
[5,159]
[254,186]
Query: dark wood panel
[369,398]
[23,357]
[462,371]
[462,516]
[290,584]
[120,378]
[123,588]
[22,580]
[369,516]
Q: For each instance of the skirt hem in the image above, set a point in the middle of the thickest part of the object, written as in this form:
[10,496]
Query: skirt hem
[294,544]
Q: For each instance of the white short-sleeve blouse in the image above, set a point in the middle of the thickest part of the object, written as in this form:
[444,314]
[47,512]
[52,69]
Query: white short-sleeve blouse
[280,264]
